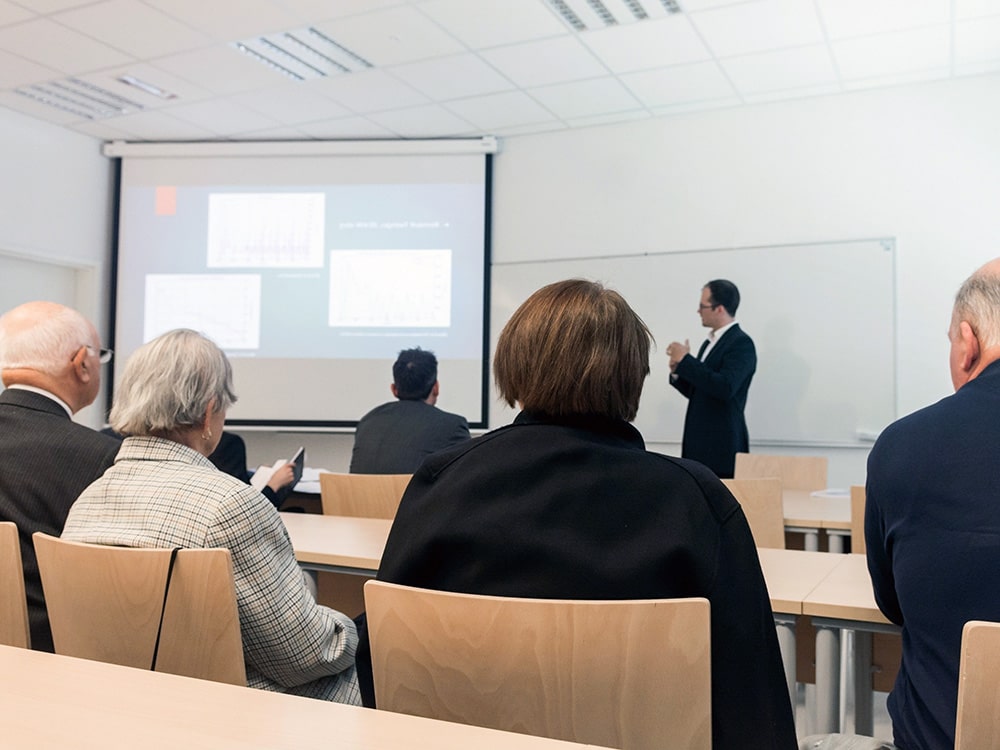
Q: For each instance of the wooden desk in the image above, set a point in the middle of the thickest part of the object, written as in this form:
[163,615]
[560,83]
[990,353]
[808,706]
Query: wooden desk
[50,701]
[808,514]
[337,543]
[834,589]
[844,600]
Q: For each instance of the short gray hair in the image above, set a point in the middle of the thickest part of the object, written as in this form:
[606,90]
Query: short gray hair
[978,302]
[169,382]
[42,336]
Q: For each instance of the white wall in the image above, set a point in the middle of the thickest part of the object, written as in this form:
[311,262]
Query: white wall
[919,163]
[55,208]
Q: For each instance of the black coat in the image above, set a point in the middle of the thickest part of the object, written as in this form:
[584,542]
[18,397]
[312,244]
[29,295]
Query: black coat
[715,429]
[576,508]
[46,461]
[396,437]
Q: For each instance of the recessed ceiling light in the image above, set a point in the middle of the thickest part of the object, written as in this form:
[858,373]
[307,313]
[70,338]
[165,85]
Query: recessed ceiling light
[149,88]
[80,98]
[303,54]
[588,15]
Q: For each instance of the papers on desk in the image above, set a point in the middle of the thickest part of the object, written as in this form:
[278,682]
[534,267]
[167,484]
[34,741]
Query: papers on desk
[831,492]
[309,484]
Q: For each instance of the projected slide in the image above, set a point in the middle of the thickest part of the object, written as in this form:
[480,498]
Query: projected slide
[312,274]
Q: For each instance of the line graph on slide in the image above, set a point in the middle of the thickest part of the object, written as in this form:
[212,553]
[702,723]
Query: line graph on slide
[265,230]
[390,288]
[225,307]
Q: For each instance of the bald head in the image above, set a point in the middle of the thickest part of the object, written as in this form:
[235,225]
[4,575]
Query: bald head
[975,324]
[53,347]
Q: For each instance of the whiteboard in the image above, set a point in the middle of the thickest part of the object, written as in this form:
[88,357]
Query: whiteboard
[822,316]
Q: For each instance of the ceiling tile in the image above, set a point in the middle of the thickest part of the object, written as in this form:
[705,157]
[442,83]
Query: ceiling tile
[16,71]
[784,69]
[104,130]
[314,11]
[727,102]
[544,62]
[133,28]
[228,20]
[10,13]
[899,79]
[36,109]
[51,6]
[160,126]
[452,77]
[496,111]
[221,69]
[57,47]
[532,129]
[648,44]
[759,26]
[369,91]
[183,90]
[976,68]
[848,18]
[797,93]
[693,6]
[223,116]
[587,122]
[974,8]
[292,103]
[586,98]
[391,36]
[429,120]
[978,40]
[894,53]
[491,24]
[345,129]
[679,84]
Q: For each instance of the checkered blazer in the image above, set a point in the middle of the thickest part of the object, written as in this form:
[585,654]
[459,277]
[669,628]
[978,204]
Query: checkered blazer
[160,493]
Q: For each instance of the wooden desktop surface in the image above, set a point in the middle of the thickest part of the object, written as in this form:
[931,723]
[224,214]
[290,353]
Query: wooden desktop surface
[845,594]
[816,583]
[50,701]
[803,510]
[337,542]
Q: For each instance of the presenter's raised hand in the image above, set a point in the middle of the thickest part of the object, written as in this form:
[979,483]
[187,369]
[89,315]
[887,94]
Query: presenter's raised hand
[676,352]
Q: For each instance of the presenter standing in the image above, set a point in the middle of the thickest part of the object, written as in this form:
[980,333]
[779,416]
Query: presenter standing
[715,382]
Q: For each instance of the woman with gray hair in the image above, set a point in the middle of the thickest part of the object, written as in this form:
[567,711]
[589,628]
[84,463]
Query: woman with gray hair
[164,492]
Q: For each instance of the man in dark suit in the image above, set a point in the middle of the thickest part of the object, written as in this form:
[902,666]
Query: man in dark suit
[396,437]
[932,527]
[716,382]
[50,363]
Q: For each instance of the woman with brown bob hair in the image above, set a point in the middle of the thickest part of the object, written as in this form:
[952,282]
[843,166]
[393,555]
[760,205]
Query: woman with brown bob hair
[566,503]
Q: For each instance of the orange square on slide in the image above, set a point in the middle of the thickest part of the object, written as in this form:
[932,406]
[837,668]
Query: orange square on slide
[166,201]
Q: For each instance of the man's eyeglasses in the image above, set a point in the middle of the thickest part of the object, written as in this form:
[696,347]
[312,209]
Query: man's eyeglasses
[103,355]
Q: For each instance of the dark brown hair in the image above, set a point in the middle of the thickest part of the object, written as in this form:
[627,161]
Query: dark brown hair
[574,347]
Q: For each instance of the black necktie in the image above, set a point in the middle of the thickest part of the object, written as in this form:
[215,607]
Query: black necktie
[704,345]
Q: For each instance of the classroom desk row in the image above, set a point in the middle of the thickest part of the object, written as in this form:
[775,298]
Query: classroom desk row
[834,590]
[50,701]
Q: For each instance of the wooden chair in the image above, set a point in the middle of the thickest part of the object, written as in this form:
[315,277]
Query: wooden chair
[627,674]
[978,718]
[14,629]
[761,501]
[858,519]
[105,603]
[362,495]
[795,472]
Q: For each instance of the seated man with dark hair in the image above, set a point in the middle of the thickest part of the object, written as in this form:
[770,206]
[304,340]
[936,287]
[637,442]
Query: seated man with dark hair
[396,437]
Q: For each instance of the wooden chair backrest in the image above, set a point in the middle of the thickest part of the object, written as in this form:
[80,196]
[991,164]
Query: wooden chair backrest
[628,674]
[795,472]
[362,495]
[762,505]
[105,602]
[978,718]
[14,630]
[858,519]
